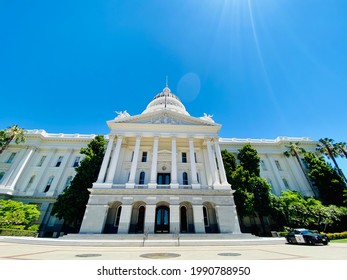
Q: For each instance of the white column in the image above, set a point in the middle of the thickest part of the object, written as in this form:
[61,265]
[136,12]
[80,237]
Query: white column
[115,156]
[18,172]
[194,177]
[228,221]
[150,219]
[174,183]
[208,172]
[222,174]
[125,217]
[43,169]
[105,161]
[174,218]
[58,175]
[131,182]
[213,165]
[277,175]
[94,219]
[198,219]
[153,181]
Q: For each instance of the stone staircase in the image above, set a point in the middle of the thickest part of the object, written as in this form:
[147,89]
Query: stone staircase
[150,240]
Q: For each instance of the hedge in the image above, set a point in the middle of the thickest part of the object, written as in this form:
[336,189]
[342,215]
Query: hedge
[338,235]
[17,232]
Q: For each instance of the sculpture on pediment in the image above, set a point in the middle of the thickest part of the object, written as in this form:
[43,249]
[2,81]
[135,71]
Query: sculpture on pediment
[122,114]
[165,119]
[207,117]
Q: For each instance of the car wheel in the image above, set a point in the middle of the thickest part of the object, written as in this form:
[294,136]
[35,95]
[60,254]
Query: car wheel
[325,243]
[289,241]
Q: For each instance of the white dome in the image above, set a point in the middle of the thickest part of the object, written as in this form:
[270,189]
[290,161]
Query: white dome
[166,100]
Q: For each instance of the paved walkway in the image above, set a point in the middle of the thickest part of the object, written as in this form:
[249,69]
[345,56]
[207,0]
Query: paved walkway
[278,251]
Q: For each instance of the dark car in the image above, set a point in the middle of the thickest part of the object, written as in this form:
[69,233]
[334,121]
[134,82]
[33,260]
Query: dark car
[305,236]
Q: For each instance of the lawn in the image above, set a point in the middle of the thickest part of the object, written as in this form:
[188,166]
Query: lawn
[344,240]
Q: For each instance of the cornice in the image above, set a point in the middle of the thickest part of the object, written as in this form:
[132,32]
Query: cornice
[193,192]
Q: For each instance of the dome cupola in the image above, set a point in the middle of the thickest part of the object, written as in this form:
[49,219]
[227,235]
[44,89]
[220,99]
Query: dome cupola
[166,100]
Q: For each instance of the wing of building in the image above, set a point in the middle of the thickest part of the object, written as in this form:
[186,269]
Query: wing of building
[162,173]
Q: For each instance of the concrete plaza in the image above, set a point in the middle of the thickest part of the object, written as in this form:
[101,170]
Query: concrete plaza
[267,249]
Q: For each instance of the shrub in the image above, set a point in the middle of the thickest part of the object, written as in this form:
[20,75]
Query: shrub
[17,232]
[338,235]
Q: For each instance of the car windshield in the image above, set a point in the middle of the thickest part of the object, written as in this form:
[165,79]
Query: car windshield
[306,232]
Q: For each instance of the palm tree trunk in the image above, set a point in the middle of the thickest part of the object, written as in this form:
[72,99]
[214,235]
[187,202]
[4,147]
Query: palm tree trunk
[336,165]
[3,148]
[306,176]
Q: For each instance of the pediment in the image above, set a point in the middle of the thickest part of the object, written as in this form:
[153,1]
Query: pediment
[165,118]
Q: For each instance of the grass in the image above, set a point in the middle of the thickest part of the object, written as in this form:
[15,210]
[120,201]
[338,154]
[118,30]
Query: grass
[344,240]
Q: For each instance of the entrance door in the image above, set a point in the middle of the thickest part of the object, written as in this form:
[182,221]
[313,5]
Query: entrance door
[162,219]
[163,179]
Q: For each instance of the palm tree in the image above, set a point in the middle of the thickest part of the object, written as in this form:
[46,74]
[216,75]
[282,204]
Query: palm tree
[10,133]
[326,147]
[295,150]
[341,148]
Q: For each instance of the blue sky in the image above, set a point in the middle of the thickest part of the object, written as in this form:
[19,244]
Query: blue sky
[262,68]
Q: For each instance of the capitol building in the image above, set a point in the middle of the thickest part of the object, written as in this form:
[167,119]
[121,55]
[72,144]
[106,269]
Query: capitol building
[162,173]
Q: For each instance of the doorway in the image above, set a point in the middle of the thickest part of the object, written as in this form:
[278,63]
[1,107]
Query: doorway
[162,219]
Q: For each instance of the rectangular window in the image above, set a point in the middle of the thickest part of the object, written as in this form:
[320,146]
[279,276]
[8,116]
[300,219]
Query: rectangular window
[10,159]
[41,161]
[263,166]
[304,163]
[278,165]
[60,159]
[68,181]
[285,182]
[144,157]
[49,183]
[184,157]
[76,162]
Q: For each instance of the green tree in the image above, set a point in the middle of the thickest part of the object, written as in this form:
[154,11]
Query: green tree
[11,133]
[252,193]
[330,184]
[326,147]
[293,210]
[249,159]
[341,148]
[16,214]
[71,203]
[229,163]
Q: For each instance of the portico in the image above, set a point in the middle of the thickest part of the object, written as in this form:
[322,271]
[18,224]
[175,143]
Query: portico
[162,173]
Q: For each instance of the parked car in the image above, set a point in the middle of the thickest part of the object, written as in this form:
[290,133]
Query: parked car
[305,236]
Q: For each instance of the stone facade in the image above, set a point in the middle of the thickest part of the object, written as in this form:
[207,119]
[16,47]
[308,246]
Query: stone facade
[162,173]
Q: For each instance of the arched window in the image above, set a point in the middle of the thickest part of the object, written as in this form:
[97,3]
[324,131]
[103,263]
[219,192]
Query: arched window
[206,221]
[30,183]
[117,218]
[184,219]
[185,178]
[142,178]
[285,182]
[2,175]
[49,183]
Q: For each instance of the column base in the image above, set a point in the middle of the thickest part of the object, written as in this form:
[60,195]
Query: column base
[195,186]
[102,185]
[174,185]
[221,187]
[152,185]
[130,185]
